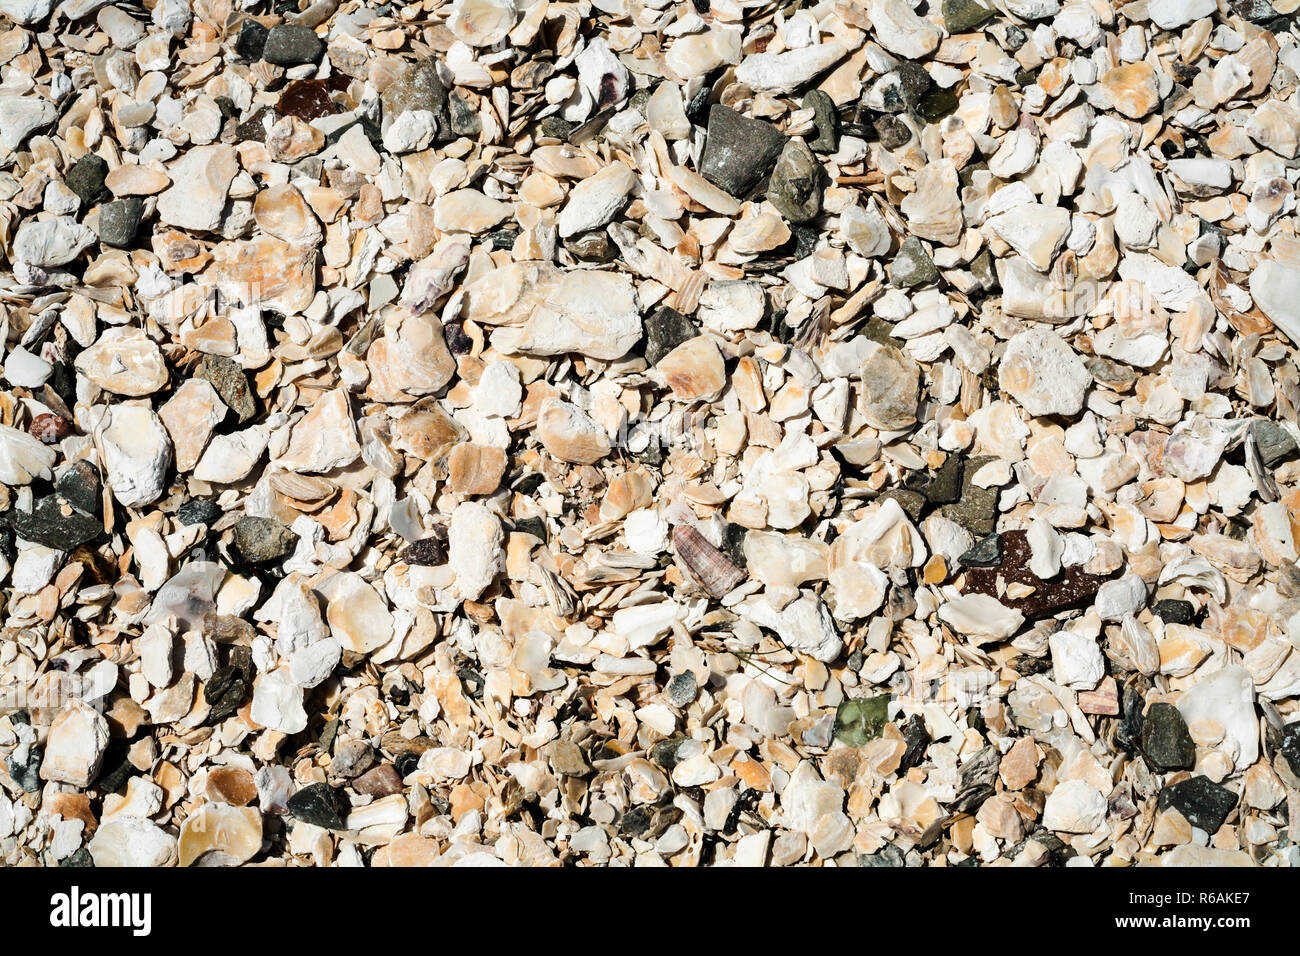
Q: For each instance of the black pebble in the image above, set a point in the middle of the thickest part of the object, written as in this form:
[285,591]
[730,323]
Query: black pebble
[320,805]
[1204,803]
[251,40]
[1174,611]
[199,511]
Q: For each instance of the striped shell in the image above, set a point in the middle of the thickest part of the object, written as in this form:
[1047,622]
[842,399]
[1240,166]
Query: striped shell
[709,565]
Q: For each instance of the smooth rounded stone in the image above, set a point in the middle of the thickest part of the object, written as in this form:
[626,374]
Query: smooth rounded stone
[1075,806]
[1043,374]
[912,266]
[124,361]
[962,16]
[320,805]
[570,434]
[217,834]
[137,453]
[889,390]
[21,116]
[75,746]
[230,785]
[826,120]
[131,842]
[738,150]
[1165,741]
[262,540]
[694,370]
[119,221]
[475,549]
[795,189]
[51,242]
[291,44]
[597,199]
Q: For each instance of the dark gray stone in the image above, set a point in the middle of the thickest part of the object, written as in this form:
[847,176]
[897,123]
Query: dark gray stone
[464,120]
[681,689]
[912,266]
[86,176]
[292,44]
[826,119]
[1274,442]
[666,329]
[1204,803]
[119,221]
[738,151]
[1165,741]
[199,511]
[984,553]
[795,190]
[251,40]
[892,132]
[54,523]
[977,509]
[962,16]
[261,540]
[1174,611]
[320,805]
[81,486]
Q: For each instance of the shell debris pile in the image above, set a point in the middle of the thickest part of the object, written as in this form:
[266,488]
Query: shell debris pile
[649,432]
